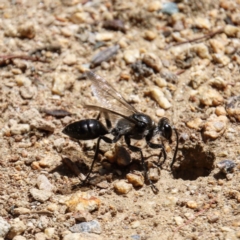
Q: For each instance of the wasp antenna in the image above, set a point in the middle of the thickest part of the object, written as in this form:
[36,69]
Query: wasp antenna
[176,149]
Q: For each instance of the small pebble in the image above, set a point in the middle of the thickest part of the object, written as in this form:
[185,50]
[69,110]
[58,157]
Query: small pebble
[62,82]
[83,216]
[136,237]
[221,58]
[202,23]
[21,210]
[157,94]
[233,107]
[137,180]
[154,6]
[28,115]
[226,229]
[213,217]
[82,236]
[169,8]
[161,82]
[49,232]
[89,227]
[19,237]
[4,227]
[152,61]
[79,17]
[59,144]
[218,83]
[150,35]
[70,59]
[197,78]
[131,56]
[210,97]
[10,30]
[179,220]
[28,92]
[40,236]
[17,228]
[44,184]
[215,126]
[154,174]
[52,207]
[195,123]
[26,30]
[82,201]
[22,80]
[43,124]
[40,195]
[231,30]
[160,112]
[106,36]
[226,166]
[104,55]
[122,156]
[218,46]
[19,129]
[192,204]
[202,51]
[135,224]
[122,187]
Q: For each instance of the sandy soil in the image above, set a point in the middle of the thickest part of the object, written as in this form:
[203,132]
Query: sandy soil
[183,65]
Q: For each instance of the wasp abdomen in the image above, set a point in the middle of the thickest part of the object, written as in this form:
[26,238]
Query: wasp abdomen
[86,129]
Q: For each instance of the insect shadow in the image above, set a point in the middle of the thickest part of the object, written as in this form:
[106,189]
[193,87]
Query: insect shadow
[129,123]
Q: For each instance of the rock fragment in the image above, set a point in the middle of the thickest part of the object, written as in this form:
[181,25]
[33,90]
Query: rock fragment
[233,107]
[157,94]
[82,236]
[40,195]
[131,56]
[4,227]
[152,61]
[19,129]
[215,126]
[122,187]
[62,82]
[44,184]
[43,124]
[82,201]
[210,97]
[195,123]
[17,228]
[26,30]
[89,227]
[137,180]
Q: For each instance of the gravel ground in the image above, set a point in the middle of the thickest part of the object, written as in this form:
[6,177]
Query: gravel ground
[178,60]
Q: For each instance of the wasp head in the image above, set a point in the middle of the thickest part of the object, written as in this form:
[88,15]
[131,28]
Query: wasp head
[165,128]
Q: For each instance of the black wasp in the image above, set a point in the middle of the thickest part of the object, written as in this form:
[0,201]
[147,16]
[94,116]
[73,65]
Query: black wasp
[129,123]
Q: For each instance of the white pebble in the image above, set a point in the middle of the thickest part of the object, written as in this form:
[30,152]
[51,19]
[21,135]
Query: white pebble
[131,56]
[4,227]
[40,195]
[159,97]
[122,187]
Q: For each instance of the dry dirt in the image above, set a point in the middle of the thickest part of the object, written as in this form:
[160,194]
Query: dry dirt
[190,58]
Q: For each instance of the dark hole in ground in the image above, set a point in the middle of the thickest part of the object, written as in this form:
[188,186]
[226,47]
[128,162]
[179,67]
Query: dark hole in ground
[195,162]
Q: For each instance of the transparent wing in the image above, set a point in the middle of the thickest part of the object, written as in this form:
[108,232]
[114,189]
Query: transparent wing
[108,98]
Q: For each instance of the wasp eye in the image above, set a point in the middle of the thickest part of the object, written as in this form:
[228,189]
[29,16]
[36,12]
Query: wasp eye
[167,131]
[165,128]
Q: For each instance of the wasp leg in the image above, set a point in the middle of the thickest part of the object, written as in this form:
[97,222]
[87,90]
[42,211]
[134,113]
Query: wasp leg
[105,139]
[136,149]
[156,146]
[176,149]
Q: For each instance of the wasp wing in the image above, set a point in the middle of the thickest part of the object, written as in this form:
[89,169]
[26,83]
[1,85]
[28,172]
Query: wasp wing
[109,111]
[108,97]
